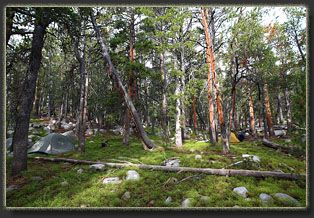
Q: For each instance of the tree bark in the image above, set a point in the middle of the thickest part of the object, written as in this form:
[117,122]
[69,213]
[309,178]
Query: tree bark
[20,136]
[114,76]
[209,171]
[212,126]
[252,118]
[280,113]
[224,131]
[183,125]
[288,108]
[194,115]
[267,105]
[178,134]
[132,83]
[81,122]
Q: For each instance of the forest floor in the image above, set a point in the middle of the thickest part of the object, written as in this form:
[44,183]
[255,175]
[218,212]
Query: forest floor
[154,187]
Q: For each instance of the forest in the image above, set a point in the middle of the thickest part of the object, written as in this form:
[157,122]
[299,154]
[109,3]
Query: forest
[165,107]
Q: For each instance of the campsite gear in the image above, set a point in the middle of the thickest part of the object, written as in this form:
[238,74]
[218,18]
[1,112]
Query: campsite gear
[54,143]
[241,137]
[232,138]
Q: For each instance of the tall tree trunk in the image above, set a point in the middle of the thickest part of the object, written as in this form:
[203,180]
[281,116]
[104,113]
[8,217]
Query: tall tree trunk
[252,118]
[287,99]
[80,125]
[20,136]
[183,125]
[267,105]
[194,115]
[212,127]
[114,76]
[132,82]
[178,134]
[232,105]
[280,113]
[224,131]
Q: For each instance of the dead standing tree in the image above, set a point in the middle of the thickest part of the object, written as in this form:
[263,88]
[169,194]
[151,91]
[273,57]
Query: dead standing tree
[115,77]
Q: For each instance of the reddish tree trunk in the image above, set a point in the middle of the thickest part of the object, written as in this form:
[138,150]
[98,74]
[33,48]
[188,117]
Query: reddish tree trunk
[212,128]
[268,112]
[224,135]
[194,115]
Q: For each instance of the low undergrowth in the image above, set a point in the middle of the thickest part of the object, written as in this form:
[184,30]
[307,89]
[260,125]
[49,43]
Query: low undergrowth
[154,187]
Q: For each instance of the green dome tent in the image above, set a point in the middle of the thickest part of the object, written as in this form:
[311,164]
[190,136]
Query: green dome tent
[54,143]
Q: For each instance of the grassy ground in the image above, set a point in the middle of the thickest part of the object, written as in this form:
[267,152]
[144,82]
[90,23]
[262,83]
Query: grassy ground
[153,188]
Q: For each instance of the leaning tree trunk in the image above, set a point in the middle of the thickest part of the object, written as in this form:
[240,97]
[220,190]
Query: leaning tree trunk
[20,136]
[115,77]
[127,121]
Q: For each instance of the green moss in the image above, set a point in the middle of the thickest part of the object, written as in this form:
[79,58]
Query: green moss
[87,190]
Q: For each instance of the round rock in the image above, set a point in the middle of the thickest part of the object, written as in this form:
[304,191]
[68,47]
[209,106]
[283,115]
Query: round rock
[265,198]
[242,191]
[132,175]
[287,199]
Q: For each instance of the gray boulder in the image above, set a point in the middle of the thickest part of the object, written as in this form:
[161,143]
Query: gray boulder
[8,143]
[168,200]
[103,131]
[198,157]
[205,198]
[254,158]
[265,198]
[11,188]
[132,175]
[89,132]
[36,125]
[10,132]
[126,196]
[303,139]
[79,171]
[186,203]
[65,183]
[37,178]
[287,199]
[172,163]
[111,180]
[242,191]
[100,167]
[187,136]
[68,126]
[280,132]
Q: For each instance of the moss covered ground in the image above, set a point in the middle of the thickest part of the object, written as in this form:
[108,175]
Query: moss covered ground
[154,187]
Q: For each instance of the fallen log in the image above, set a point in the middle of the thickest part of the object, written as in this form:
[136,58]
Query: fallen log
[273,145]
[209,171]
[297,127]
